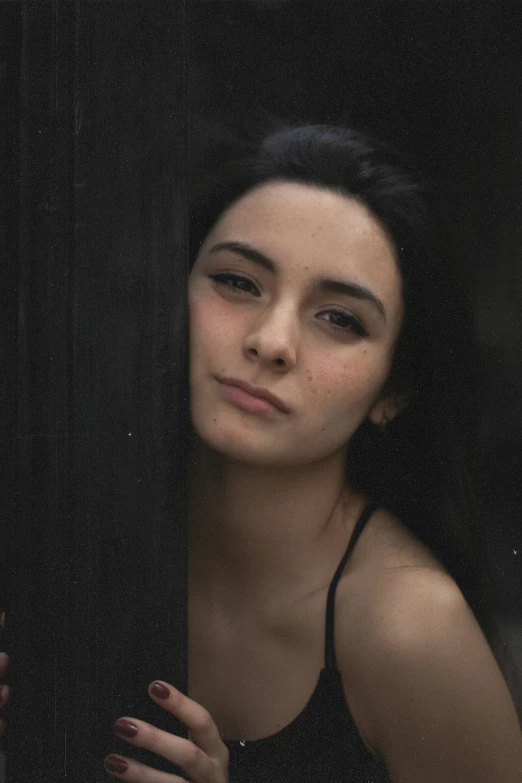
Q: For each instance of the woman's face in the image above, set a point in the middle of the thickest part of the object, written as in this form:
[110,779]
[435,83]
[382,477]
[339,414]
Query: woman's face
[295,292]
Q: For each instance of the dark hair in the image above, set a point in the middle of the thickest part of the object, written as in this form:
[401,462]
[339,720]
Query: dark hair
[421,467]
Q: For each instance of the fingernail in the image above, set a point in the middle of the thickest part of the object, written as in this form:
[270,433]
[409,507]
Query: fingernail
[159,690]
[115,764]
[3,692]
[125,728]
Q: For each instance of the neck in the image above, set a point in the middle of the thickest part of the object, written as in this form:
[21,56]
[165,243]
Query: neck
[258,528]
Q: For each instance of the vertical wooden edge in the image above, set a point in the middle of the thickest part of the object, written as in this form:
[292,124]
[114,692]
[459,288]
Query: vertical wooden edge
[50,527]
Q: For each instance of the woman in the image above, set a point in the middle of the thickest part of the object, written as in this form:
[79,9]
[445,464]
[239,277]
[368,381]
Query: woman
[338,629]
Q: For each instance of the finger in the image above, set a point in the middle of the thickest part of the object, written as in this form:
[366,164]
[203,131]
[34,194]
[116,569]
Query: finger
[4,695]
[4,663]
[199,722]
[178,750]
[2,619]
[133,771]
[2,727]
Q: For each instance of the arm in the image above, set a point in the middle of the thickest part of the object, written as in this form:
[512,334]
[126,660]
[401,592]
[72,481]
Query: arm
[439,708]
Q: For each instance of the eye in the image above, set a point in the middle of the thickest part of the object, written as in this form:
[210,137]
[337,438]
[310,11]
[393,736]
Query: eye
[236,283]
[342,321]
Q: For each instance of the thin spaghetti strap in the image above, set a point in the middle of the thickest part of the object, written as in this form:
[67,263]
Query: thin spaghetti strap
[329,656]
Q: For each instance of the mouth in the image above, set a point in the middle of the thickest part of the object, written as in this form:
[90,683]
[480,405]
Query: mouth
[254,393]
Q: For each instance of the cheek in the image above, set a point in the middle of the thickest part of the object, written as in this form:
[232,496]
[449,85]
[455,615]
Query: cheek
[204,314]
[213,329]
[348,381]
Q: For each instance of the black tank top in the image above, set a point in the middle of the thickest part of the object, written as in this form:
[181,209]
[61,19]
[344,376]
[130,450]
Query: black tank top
[321,745]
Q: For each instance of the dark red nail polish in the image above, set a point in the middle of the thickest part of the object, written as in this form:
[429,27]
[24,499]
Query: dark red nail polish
[125,728]
[115,764]
[159,690]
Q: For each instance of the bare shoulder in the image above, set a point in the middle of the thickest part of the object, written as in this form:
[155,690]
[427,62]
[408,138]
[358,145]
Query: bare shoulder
[387,544]
[421,681]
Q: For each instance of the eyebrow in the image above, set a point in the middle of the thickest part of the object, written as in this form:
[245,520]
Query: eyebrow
[318,283]
[249,252]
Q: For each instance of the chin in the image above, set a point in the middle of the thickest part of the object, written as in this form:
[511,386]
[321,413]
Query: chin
[240,444]
[237,445]
[253,441]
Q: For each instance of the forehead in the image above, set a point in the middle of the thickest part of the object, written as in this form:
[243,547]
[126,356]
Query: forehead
[309,229]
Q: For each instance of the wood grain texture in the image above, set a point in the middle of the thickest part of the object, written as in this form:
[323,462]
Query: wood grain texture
[97,566]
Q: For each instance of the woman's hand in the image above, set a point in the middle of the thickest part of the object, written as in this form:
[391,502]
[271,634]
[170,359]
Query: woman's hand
[204,757]
[4,689]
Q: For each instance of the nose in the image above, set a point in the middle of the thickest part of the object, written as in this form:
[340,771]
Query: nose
[273,340]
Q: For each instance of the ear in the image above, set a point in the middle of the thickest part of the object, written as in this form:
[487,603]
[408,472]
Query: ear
[386,409]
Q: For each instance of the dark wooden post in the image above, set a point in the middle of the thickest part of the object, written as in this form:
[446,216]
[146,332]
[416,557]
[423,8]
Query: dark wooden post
[96,565]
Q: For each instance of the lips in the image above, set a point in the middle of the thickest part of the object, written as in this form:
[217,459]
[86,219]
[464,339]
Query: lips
[255,391]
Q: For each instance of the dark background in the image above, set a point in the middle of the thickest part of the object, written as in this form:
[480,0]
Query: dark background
[108,111]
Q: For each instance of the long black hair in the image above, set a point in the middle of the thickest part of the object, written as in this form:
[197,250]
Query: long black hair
[421,467]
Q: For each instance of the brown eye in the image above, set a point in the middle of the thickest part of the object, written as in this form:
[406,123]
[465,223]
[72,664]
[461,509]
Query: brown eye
[343,321]
[236,283]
